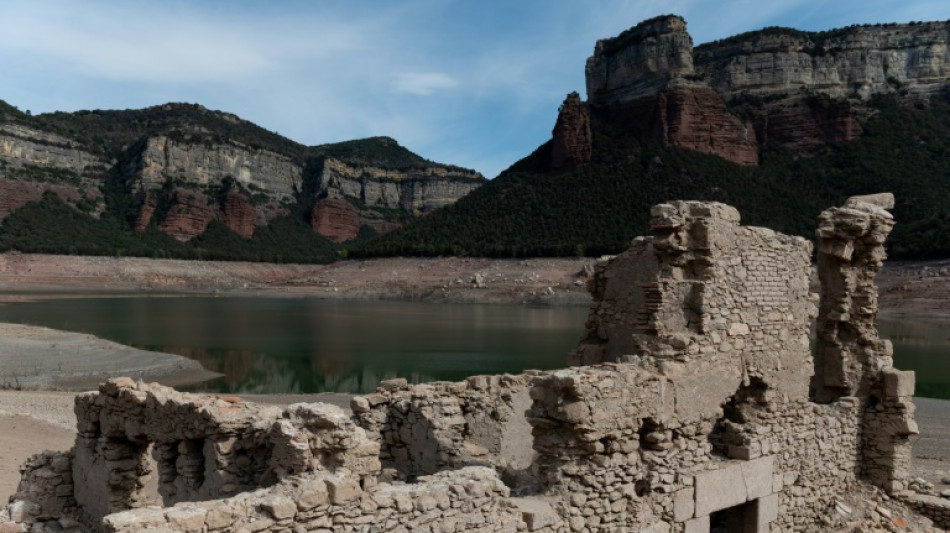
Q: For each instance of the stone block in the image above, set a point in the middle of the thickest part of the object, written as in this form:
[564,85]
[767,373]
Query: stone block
[757,477]
[279,507]
[899,383]
[186,517]
[658,527]
[765,511]
[684,504]
[312,494]
[884,200]
[719,489]
[343,490]
[536,513]
[697,525]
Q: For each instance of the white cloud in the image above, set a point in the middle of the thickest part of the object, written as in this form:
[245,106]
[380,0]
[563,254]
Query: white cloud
[424,83]
[143,43]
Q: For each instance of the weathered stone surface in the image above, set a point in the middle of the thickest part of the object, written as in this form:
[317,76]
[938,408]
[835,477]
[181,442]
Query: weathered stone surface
[200,164]
[188,216]
[335,219]
[418,191]
[571,140]
[858,60]
[684,504]
[719,489]
[641,60]
[697,118]
[238,214]
[798,89]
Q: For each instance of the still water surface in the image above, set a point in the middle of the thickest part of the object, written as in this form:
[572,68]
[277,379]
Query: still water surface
[275,345]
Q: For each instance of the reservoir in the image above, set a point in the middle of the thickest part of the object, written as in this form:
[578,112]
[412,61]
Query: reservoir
[298,345]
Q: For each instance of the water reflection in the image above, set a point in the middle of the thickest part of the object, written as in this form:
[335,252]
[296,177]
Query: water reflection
[923,346]
[274,345]
[269,345]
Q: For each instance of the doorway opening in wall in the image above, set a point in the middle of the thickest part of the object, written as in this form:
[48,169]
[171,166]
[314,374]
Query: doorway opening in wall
[738,519]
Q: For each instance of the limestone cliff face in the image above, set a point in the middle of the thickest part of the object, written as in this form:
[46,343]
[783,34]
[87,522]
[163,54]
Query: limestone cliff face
[201,164]
[33,162]
[795,88]
[859,61]
[639,62]
[645,77]
[21,146]
[571,142]
[417,191]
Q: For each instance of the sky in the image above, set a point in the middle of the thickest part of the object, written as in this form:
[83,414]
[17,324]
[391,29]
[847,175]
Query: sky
[475,83]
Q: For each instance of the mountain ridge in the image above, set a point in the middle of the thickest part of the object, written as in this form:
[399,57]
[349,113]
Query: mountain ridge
[179,169]
[662,130]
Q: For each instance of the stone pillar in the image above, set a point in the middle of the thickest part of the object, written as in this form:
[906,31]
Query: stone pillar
[849,355]
[850,359]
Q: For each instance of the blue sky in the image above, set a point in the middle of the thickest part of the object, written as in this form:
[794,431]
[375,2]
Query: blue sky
[472,83]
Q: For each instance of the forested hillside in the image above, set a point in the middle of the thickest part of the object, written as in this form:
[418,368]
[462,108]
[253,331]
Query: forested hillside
[599,208]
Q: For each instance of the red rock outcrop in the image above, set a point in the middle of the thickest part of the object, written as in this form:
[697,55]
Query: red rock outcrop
[646,79]
[14,194]
[146,211]
[803,124]
[238,214]
[697,118]
[189,215]
[571,144]
[335,219]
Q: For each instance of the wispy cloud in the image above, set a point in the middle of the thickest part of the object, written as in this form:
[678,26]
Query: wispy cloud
[424,83]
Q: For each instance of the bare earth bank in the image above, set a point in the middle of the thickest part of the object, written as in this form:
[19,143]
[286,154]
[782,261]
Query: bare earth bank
[920,288]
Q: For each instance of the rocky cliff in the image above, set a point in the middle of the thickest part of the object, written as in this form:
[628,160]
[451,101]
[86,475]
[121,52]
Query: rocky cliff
[646,77]
[855,62]
[34,161]
[179,167]
[794,88]
[414,190]
[202,165]
[571,141]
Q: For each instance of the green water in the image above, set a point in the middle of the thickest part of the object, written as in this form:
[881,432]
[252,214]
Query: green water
[276,345]
[922,346]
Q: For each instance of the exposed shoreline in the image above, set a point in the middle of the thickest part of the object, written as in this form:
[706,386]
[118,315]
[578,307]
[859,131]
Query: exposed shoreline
[907,288]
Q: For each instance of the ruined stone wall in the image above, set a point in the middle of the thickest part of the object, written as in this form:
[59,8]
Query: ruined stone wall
[709,294]
[612,453]
[472,499]
[431,427]
[695,409]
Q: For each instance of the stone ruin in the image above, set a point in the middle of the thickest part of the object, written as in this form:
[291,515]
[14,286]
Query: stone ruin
[694,403]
